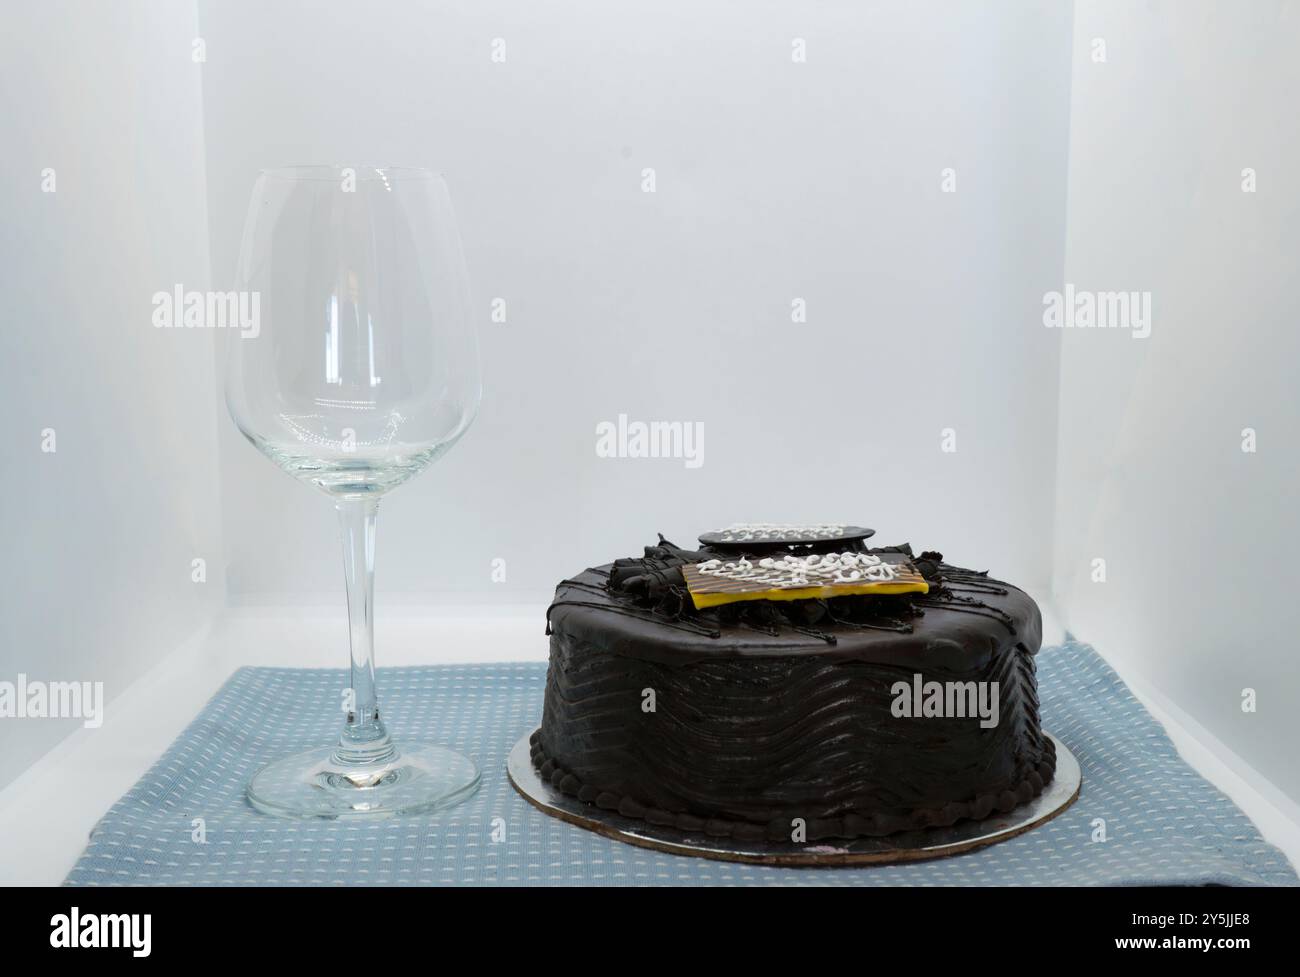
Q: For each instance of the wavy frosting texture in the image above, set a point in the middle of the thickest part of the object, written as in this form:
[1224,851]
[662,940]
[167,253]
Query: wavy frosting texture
[761,715]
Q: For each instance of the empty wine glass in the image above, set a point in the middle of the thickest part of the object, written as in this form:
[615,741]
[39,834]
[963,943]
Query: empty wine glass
[362,370]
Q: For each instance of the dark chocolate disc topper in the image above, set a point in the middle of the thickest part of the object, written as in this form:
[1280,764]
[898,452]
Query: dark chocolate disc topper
[759,535]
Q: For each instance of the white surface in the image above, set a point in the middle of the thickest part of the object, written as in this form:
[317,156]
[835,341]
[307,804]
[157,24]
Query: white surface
[1198,536]
[774,180]
[100,534]
[53,806]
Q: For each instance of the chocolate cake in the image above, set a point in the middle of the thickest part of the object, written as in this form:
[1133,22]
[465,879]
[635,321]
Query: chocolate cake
[793,683]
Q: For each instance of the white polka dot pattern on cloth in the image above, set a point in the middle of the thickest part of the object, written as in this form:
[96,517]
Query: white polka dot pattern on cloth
[1165,824]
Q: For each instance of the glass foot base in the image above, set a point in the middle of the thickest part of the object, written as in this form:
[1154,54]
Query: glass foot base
[419,779]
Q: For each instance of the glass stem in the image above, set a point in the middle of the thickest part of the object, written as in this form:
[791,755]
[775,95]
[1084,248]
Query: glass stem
[364,739]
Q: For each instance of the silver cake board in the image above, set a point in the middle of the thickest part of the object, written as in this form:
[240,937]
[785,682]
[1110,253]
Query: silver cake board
[909,846]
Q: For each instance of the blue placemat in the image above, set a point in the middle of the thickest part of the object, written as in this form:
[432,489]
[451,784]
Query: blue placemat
[1164,824]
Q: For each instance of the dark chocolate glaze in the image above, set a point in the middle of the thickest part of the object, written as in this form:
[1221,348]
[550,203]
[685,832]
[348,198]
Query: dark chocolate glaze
[771,711]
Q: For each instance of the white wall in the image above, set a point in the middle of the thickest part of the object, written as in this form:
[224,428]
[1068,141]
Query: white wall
[99,535]
[1199,538]
[775,180]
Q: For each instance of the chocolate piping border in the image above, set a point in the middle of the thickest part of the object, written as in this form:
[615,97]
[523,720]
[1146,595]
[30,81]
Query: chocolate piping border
[846,827]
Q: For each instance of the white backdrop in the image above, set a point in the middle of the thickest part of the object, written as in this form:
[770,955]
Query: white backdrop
[774,180]
[1198,535]
[101,205]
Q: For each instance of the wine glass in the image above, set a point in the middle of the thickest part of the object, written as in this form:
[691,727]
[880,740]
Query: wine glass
[362,370]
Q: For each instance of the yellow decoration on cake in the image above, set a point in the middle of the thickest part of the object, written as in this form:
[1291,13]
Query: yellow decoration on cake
[794,577]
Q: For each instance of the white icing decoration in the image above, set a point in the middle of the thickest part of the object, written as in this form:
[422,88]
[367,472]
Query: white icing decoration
[774,532]
[817,569]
